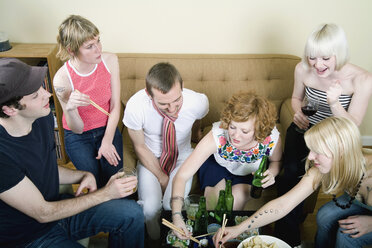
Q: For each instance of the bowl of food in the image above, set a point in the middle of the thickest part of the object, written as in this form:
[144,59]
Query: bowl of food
[213,227]
[262,241]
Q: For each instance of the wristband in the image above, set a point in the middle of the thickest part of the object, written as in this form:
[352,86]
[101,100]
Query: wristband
[174,198]
[179,213]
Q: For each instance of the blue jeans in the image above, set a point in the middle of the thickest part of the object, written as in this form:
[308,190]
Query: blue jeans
[83,149]
[329,233]
[122,218]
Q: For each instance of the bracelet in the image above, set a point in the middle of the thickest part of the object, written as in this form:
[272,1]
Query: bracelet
[174,198]
[179,213]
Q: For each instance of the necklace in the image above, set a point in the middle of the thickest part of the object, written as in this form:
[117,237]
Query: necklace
[348,205]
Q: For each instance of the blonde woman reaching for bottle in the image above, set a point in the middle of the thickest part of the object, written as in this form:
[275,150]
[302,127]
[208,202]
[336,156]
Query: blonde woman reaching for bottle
[338,163]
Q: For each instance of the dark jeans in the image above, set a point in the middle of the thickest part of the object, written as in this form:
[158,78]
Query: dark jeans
[122,218]
[329,232]
[83,149]
[295,154]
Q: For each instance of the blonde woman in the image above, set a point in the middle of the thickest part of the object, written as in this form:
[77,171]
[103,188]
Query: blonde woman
[338,163]
[343,89]
[233,150]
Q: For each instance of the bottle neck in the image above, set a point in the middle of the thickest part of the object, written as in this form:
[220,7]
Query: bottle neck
[262,167]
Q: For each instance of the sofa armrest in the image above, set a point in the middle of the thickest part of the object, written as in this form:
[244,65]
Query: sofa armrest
[129,155]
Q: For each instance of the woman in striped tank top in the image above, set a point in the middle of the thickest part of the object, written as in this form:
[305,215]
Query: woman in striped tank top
[92,139]
[343,90]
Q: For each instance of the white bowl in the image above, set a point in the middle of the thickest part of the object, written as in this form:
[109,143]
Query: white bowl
[267,239]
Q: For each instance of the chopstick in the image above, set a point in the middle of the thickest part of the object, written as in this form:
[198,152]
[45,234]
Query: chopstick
[175,228]
[97,106]
[224,222]
[204,235]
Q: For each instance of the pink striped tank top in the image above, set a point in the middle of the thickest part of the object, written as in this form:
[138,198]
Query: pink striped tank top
[97,85]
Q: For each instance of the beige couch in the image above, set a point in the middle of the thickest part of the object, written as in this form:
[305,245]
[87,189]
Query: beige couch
[218,76]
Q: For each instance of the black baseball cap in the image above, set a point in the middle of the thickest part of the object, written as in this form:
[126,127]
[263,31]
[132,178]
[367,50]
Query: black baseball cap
[19,79]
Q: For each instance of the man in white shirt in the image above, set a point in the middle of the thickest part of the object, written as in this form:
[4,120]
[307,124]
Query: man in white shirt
[164,106]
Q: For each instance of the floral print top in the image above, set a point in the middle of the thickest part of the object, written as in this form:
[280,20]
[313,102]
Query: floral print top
[241,162]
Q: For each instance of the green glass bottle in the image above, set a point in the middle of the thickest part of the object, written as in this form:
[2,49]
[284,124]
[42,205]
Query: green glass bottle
[201,218]
[220,209]
[229,199]
[256,189]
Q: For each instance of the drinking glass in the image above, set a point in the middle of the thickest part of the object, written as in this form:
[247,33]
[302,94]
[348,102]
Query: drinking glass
[128,172]
[192,205]
[309,107]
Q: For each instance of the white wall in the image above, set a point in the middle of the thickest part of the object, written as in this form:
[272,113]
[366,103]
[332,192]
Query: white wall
[198,26]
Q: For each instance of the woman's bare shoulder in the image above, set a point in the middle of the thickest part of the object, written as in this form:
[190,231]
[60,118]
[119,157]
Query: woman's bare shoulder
[358,74]
[109,57]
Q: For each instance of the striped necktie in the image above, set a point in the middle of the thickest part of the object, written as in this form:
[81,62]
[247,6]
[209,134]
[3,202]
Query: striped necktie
[169,154]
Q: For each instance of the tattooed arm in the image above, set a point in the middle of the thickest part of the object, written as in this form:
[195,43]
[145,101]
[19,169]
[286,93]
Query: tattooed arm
[273,210]
[69,100]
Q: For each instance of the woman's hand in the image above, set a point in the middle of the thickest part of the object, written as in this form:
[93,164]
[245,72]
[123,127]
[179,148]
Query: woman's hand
[301,120]
[178,221]
[108,151]
[356,225]
[77,99]
[268,180]
[333,93]
[229,233]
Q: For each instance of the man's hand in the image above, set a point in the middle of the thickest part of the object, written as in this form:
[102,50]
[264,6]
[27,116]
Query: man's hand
[120,187]
[87,182]
[163,180]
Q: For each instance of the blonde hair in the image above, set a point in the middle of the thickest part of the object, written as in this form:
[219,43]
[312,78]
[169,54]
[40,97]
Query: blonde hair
[72,34]
[337,138]
[246,105]
[325,41]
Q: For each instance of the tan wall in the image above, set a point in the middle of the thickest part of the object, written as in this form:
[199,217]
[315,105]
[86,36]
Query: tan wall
[198,26]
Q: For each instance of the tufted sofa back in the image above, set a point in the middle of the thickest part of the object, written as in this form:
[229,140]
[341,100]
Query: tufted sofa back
[217,76]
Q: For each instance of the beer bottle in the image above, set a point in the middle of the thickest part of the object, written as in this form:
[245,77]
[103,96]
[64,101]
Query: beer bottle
[256,188]
[201,217]
[229,199]
[220,208]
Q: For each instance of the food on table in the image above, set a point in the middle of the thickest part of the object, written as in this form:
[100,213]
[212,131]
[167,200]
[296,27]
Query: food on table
[257,242]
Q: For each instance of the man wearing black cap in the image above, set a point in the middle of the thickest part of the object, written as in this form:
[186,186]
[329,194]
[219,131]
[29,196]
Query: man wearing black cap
[32,213]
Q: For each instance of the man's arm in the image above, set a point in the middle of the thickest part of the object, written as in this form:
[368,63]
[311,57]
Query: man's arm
[84,178]
[26,198]
[146,157]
